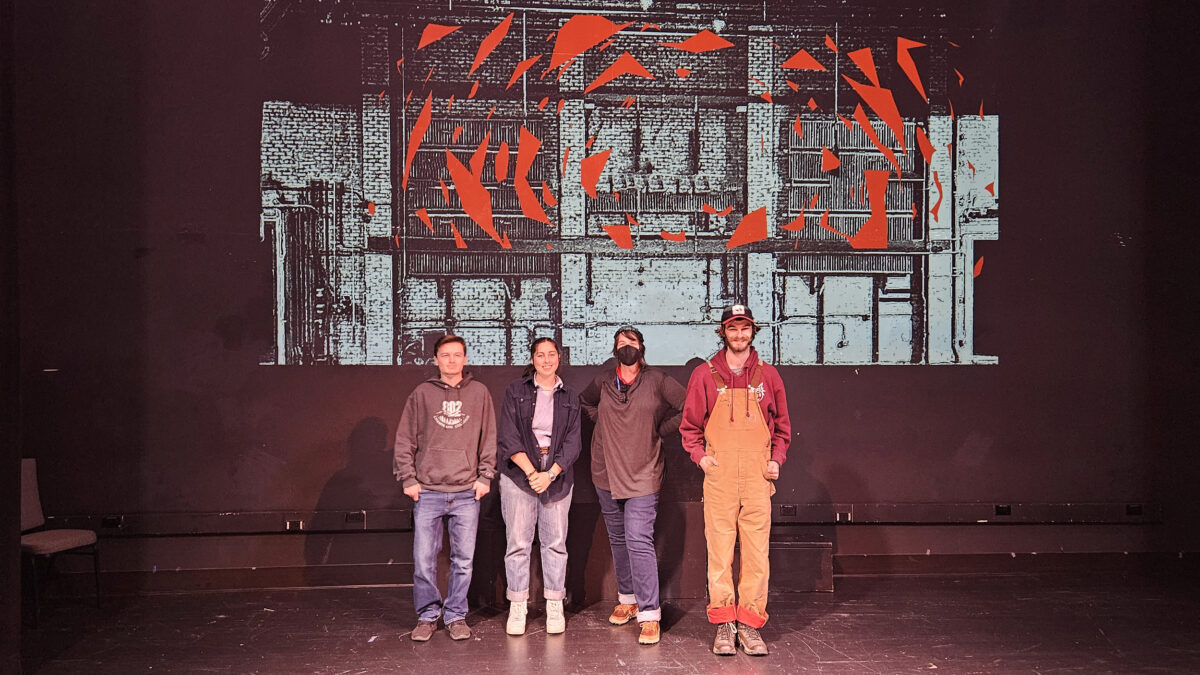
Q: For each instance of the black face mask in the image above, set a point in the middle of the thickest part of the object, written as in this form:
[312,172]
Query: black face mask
[629,355]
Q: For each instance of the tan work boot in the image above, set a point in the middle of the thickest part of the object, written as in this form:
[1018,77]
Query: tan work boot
[752,642]
[723,644]
[622,614]
[649,634]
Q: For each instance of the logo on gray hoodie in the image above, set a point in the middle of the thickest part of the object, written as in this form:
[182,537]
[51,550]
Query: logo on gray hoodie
[451,416]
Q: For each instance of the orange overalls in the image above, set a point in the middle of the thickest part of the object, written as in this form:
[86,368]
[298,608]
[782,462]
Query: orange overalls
[737,502]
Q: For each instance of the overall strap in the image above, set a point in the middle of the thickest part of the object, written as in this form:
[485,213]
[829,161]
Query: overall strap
[717,379]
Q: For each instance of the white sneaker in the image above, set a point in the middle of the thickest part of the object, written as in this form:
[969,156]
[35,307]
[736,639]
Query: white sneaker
[516,617]
[556,622]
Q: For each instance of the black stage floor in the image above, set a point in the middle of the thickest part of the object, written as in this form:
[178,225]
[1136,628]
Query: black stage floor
[895,624]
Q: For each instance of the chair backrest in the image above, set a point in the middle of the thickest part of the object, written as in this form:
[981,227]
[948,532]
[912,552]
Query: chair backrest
[31,503]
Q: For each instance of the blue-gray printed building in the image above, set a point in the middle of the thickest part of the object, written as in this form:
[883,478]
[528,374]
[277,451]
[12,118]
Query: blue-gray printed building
[361,278]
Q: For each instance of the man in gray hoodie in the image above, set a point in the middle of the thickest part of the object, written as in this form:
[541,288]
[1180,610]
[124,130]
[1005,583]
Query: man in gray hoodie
[445,457]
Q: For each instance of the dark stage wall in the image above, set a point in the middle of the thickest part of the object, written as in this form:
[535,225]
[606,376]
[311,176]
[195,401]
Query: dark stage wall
[145,305]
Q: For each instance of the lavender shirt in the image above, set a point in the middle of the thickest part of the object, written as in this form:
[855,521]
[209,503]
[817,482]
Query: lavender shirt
[543,412]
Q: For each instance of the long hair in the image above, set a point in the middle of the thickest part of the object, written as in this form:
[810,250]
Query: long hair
[530,369]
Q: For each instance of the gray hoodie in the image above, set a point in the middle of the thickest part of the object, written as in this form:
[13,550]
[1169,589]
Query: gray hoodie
[446,439]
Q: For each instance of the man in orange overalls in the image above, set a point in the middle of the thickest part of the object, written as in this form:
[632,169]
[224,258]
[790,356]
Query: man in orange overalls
[736,429]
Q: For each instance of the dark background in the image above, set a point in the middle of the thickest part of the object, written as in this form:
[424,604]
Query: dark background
[137,306]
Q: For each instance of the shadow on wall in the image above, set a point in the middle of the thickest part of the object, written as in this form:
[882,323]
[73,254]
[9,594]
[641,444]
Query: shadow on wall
[365,483]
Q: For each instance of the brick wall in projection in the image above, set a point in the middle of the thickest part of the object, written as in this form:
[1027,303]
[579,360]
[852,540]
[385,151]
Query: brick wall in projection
[561,169]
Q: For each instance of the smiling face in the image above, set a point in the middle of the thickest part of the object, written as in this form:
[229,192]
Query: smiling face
[450,359]
[738,334]
[545,359]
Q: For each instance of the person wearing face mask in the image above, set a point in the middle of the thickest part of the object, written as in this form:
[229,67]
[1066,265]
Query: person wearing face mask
[537,445]
[737,430]
[634,406]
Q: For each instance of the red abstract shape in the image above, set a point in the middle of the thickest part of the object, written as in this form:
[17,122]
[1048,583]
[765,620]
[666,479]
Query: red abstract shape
[480,154]
[883,104]
[866,63]
[579,34]
[548,196]
[588,145]
[476,200]
[978,267]
[520,70]
[793,85]
[566,154]
[630,219]
[829,43]
[624,65]
[981,110]
[424,216]
[379,98]
[604,46]
[829,161]
[704,41]
[504,242]
[674,236]
[489,43]
[371,208]
[445,190]
[542,103]
[812,105]
[797,224]
[683,72]
[752,228]
[905,60]
[527,149]
[938,204]
[398,62]
[802,60]
[549,247]
[873,234]
[629,100]
[502,162]
[415,138]
[972,168]
[559,107]
[798,127]
[409,97]
[923,143]
[490,111]
[458,239]
[620,235]
[766,96]
[759,82]
[590,169]
[457,132]
[474,89]
[434,32]
[709,208]
[864,123]
[951,109]
[428,75]
[848,124]
[450,103]
[952,43]
[991,188]
[914,211]
[812,204]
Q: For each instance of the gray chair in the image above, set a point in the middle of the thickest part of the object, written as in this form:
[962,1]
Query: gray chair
[41,544]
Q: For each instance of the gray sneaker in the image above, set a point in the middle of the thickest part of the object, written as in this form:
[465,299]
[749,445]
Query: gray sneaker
[723,645]
[751,641]
[459,630]
[424,631]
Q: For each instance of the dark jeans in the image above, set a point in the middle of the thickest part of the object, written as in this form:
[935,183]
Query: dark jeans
[630,524]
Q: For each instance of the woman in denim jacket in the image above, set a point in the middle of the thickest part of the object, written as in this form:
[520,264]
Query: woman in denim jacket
[537,444]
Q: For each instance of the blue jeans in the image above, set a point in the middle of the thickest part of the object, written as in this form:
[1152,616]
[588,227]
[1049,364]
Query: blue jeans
[462,513]
[630,524]
[522,512]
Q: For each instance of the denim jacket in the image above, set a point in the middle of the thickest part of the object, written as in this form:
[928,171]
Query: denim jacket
[514,433]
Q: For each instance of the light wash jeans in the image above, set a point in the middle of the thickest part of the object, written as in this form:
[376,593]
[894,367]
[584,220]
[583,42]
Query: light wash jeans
[522,512]
[462,514]
[630,524]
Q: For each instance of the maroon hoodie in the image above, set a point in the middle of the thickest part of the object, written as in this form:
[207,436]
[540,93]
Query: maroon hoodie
[702,396]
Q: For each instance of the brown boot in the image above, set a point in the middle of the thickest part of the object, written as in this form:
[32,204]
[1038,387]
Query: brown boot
[723,644]
[649,634]
[622,614]
[751,641]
